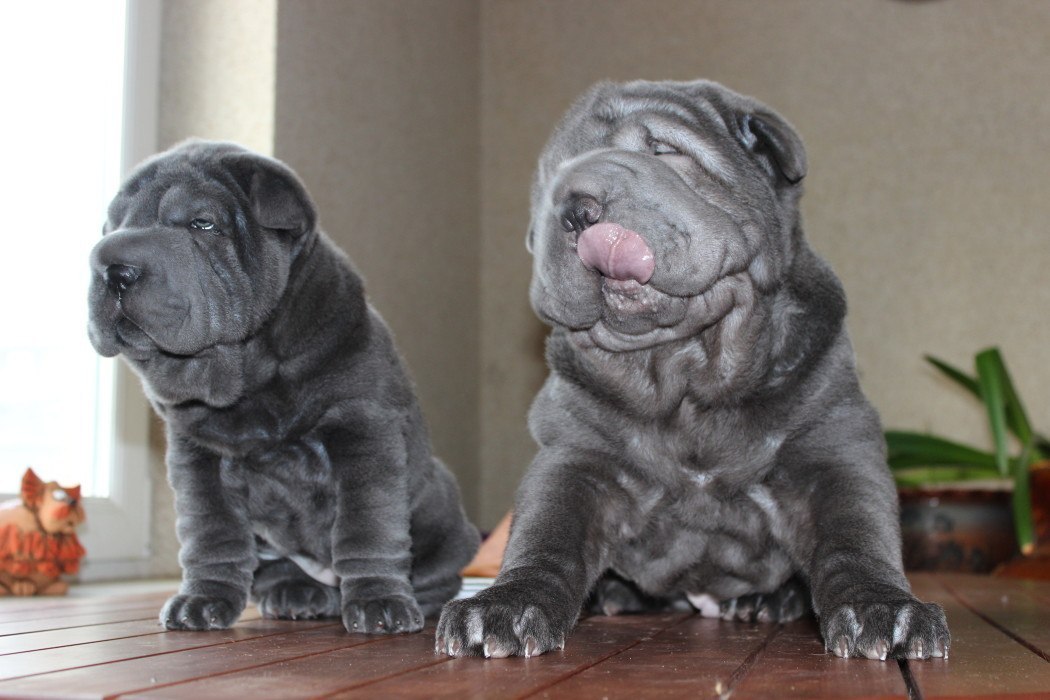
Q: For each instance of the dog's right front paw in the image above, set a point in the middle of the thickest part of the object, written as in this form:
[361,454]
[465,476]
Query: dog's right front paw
[505,620]
[198,612]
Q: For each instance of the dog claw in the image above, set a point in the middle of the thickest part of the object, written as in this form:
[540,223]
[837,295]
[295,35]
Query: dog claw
[841,648]
[530,647]
[877,651]
[454,647]
[492,649]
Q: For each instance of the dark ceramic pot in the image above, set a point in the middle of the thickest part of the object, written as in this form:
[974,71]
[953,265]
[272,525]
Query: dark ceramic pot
[956,529]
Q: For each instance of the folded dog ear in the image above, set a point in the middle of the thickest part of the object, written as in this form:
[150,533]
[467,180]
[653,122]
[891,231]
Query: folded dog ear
[278,199]
[774,140]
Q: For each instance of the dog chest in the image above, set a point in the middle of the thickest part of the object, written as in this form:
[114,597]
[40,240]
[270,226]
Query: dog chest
[703,520]
[696,447]
[699,540]
[291,498]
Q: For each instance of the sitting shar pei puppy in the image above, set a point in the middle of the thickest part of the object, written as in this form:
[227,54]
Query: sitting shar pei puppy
[702,434]
[296,448]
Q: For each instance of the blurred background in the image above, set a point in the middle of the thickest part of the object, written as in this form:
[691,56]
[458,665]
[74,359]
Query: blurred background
[415,125]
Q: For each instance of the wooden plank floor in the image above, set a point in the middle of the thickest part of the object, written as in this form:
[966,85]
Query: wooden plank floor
[112,646]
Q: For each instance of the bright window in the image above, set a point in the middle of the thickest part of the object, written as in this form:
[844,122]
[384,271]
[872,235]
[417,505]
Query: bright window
[62,81]
[79,81]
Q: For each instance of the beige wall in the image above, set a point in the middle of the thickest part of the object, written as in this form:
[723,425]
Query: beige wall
[928,128]
[217,71]
[416,126]
[377,110]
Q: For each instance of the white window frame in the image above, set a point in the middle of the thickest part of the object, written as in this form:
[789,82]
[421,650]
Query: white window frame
[116,535]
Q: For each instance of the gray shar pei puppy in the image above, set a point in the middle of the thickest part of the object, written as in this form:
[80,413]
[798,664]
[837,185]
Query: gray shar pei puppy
[701,433]
[299,458]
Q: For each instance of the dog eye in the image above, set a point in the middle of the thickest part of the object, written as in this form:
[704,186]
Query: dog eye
[202,224]
[59,495]
[663,149]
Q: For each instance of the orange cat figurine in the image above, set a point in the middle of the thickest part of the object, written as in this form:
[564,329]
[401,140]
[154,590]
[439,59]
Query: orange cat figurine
[38,542]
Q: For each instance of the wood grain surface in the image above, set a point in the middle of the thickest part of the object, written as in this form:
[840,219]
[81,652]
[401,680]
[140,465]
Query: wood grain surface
[112,646]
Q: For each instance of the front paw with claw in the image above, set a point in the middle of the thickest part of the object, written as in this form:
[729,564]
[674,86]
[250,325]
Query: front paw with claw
[511,619]
[395,614]
[907,629]
[199,612]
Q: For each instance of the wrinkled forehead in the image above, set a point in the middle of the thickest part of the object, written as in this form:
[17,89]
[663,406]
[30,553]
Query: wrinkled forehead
[689,116]
[169,183]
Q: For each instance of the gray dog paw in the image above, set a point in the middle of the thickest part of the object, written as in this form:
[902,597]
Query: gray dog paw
[295,600]
[903,629]
[393,614]
[198,612]
[616,596]
[787,603]
[505,620]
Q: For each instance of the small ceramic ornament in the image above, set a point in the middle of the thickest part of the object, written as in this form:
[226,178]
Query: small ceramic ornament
[38,542]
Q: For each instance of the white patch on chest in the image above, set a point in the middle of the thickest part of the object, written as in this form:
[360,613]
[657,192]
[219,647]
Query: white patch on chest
[313,568]
[702,479]
[316,570]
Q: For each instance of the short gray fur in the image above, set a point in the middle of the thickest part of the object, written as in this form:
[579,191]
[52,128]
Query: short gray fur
[703,434]
[297,451]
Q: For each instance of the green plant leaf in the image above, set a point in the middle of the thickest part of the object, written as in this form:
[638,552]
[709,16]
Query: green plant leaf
[993,395]
[966,381]
[910,449]
[1024,525]
[926,476]
[1016,417]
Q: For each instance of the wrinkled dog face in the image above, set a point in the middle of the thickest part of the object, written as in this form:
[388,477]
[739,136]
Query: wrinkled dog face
[195,252]
[656,205]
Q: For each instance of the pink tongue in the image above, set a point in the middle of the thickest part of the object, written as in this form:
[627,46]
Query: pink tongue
[616,252]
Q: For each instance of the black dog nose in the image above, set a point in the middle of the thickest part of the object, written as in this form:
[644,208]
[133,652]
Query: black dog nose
[120,277]
[579,212]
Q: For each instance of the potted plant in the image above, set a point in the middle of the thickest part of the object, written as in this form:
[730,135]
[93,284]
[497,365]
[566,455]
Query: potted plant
[945,524]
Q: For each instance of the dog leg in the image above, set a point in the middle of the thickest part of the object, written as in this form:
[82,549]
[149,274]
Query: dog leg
[217,546]
[854,568]
[371,541]
[565,513]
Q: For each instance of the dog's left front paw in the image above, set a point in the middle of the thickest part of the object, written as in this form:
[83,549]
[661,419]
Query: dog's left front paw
[198,612]
[394,614]
[904,629]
